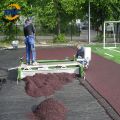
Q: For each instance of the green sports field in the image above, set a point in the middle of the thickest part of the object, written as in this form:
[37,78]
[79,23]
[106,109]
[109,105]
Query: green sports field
[107,52]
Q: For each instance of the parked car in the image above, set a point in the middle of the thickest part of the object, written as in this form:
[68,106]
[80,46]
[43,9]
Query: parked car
[84,26]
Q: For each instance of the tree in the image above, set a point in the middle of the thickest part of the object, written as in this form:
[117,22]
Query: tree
[116,16]
[101,10]
[54,13]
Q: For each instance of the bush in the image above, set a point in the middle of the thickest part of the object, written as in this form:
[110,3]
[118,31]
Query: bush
[59,39]
[99,38]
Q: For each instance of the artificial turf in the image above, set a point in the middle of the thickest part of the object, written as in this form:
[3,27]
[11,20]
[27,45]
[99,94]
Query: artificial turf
[109,53]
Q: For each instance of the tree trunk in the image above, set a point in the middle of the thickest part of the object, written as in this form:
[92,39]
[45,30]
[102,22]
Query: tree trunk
[58,26]
[56,5]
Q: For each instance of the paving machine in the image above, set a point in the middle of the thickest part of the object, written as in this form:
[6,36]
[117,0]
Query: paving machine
[54,66]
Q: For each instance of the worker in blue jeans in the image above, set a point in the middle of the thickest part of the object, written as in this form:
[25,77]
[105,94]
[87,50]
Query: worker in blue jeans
[29,32]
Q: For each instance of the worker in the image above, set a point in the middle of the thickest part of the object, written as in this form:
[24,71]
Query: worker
[29,33]
[80,52]
[80,56]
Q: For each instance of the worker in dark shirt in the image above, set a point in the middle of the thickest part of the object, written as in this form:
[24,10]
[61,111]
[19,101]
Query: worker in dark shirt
[80,56]
[29,33]
[80,52]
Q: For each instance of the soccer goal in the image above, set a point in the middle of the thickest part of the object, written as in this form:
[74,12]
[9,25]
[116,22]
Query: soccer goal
[109,34]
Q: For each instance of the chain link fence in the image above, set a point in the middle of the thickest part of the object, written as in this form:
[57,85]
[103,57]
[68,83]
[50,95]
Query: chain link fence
[71,31]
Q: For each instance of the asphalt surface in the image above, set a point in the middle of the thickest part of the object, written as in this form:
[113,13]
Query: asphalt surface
[15,104]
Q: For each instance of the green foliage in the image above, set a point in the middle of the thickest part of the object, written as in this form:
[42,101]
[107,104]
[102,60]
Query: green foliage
[54,13]
[102,10]
[59,39]
[99,38]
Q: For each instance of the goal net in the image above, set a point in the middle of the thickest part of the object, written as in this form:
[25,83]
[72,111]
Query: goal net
[109,34]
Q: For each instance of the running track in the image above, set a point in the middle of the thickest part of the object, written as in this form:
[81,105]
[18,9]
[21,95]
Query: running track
[104,76]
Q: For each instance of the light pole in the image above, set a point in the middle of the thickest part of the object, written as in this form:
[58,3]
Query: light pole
[70,30]
[89,23]
[78,22]
[16,31]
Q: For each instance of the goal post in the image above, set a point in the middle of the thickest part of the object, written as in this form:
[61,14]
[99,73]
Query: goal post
[111,41]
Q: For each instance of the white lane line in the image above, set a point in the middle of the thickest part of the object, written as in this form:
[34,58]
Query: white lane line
[108,55]
[112,49]
[115,50]
[14,68]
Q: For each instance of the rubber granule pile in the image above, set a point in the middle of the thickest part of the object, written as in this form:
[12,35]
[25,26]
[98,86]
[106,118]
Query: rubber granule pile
[50,109]
[46,84]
